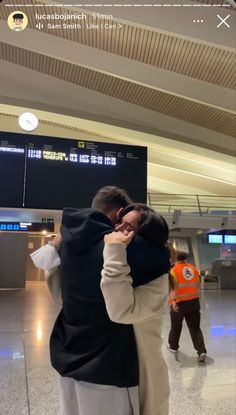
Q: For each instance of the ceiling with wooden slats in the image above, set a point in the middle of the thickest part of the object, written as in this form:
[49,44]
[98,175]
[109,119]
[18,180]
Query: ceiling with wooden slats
[153,78]
[151,99]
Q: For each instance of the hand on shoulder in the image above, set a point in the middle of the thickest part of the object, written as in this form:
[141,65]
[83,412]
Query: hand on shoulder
[118,237]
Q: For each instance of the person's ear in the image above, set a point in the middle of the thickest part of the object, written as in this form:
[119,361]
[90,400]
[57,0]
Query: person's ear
[118,214]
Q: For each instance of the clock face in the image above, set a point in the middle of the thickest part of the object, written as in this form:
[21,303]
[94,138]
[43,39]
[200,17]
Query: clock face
[28,121]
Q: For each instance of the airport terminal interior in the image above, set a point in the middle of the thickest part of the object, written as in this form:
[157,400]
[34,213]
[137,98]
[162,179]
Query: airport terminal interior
[137,94]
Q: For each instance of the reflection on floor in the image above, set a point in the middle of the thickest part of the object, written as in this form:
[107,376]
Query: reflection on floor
[28,385]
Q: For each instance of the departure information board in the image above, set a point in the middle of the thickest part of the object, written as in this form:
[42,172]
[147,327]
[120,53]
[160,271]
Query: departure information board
[59,172]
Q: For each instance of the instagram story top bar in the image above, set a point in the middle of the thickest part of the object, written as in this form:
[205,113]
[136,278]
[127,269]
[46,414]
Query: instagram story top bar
[209,23]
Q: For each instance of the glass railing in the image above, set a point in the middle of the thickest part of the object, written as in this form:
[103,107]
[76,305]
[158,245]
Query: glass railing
[202,205]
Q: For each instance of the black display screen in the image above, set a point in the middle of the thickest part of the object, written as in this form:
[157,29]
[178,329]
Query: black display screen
[12,169]
[61,172]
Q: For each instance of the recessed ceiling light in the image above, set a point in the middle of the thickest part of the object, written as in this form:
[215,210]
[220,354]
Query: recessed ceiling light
[28,121]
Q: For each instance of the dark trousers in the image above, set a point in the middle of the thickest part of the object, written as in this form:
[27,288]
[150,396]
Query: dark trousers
[190,310]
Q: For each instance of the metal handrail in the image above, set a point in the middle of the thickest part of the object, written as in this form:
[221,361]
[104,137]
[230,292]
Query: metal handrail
[201,204]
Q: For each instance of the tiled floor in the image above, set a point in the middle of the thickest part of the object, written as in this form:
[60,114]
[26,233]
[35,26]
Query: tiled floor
[28,385]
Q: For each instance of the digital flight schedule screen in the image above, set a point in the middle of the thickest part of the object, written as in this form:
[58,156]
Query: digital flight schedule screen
[12,170]
[61,172]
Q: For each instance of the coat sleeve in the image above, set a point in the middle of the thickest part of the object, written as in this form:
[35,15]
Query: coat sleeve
[53,281]
[124,303]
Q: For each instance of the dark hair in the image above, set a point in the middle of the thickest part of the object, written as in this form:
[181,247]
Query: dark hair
[152,226]
[110,197]
[18,16]
[181,255]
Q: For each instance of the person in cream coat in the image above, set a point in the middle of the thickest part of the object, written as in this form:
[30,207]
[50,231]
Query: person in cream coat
[144,307]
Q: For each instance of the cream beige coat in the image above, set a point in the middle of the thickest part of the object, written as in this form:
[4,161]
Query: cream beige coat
[144,307]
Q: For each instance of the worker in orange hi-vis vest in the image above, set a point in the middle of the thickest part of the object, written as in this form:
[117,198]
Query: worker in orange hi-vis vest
[184,304]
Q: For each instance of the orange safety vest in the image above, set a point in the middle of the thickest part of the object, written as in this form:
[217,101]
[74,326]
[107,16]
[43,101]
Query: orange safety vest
[187,279]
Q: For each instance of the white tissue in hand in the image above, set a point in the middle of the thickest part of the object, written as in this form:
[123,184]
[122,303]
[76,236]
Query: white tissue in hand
[46,258]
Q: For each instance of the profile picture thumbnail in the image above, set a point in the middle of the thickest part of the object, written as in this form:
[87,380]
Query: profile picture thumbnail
[17,21]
